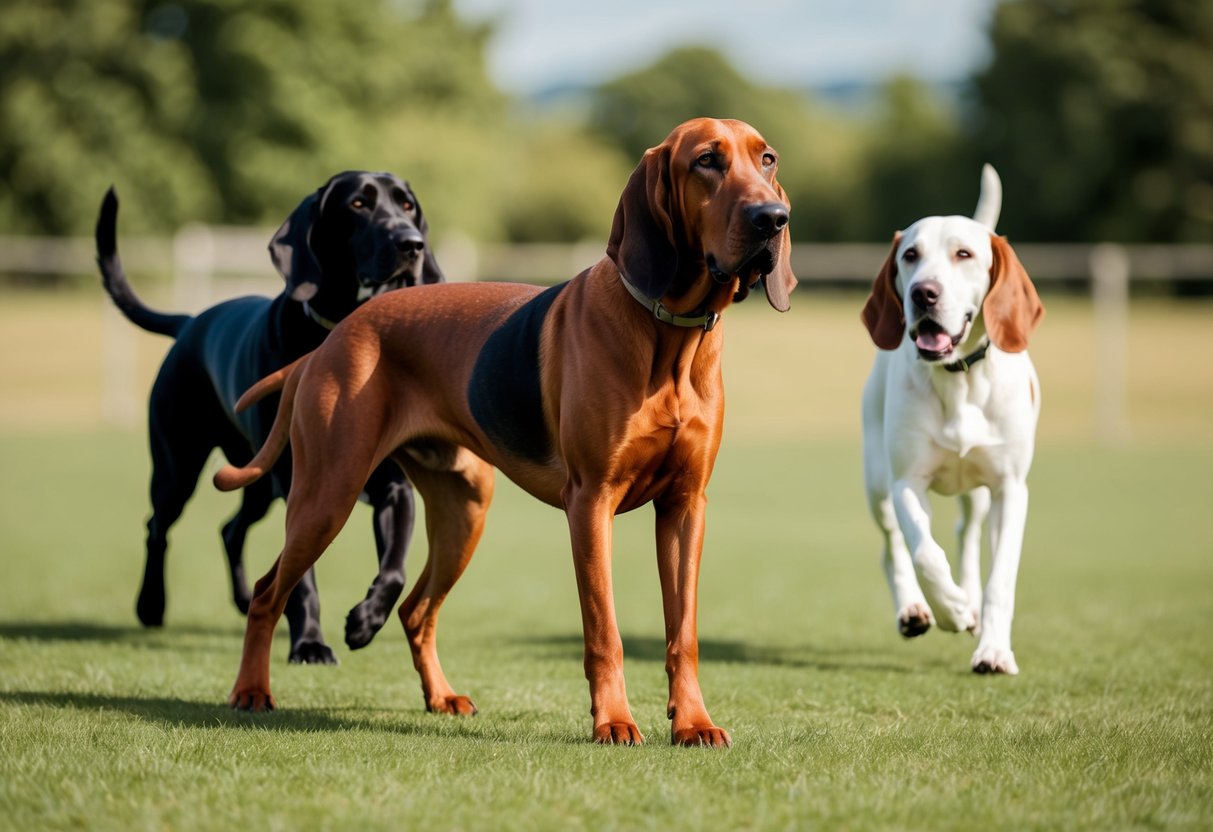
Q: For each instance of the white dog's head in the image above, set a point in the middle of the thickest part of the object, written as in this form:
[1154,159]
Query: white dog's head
[946,282]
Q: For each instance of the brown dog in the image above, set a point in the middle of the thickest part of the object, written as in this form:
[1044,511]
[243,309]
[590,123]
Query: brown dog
[596,396]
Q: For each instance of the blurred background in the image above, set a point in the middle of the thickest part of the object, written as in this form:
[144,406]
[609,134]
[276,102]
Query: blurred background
[518,122]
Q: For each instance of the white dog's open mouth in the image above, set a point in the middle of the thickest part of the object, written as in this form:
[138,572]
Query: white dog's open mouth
[934,343]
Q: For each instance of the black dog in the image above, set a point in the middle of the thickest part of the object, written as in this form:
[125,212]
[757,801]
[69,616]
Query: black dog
[358,236]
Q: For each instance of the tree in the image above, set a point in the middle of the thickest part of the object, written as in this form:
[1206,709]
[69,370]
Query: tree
[820,153]
[1100,114]
[232,110]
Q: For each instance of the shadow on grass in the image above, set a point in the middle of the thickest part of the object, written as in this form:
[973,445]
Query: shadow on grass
[91,631]
[648,649]
[181,713]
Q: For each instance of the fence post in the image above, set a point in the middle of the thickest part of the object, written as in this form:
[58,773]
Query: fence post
[193,267]
[1109,265]
[119,405]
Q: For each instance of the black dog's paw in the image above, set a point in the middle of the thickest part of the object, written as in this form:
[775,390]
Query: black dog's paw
[150,609]
[312,652]
[361,625]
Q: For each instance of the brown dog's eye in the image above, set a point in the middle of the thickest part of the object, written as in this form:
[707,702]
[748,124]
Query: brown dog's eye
[910,255]
[706,160]
[768,159]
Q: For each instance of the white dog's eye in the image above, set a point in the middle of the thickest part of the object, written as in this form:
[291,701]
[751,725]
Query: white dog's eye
[910,255]
[963,254]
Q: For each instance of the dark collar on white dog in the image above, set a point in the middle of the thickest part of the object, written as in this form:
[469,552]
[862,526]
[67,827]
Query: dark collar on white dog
[962,365]
[317,317]
[705,320]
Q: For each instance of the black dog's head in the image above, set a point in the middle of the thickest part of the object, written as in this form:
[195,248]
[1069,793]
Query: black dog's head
[358,236]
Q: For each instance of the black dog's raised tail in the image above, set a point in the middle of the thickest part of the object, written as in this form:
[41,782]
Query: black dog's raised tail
[114,278]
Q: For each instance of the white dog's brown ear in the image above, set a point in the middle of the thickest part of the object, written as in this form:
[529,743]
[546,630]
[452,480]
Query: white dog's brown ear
[1012,309]
[883,314]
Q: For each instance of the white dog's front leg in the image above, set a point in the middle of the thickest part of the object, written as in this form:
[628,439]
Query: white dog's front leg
[909,604]
[1008,516]
[948,601]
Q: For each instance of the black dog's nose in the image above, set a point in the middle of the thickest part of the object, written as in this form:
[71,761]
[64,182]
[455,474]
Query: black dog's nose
[925,293]
[409,242]
[768,217]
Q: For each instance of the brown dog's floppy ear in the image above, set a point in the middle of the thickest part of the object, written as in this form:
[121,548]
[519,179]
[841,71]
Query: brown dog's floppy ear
[642,234]
[291,247]
[1012,309]
[780,282]
[883,314]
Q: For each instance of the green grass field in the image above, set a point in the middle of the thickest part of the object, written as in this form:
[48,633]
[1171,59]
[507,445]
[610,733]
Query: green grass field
[837,722]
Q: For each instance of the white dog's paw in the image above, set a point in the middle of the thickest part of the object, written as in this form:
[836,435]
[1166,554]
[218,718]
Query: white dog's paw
[994,660]
[914,619]
[957,617]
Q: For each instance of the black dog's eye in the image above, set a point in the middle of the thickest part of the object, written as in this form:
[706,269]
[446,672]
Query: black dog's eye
[910,255]
[406,205]
[358,202]
[768,159]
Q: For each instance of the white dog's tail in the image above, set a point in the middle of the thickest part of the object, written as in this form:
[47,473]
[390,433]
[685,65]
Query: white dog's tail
[989,203]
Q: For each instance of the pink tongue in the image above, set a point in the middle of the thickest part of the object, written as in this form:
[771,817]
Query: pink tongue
[933,341]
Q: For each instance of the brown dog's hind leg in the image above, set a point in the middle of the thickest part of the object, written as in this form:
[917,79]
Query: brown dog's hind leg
[457,487]
[316,509]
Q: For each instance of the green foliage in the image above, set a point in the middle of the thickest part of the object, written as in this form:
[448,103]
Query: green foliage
[227,110]
[1100,112]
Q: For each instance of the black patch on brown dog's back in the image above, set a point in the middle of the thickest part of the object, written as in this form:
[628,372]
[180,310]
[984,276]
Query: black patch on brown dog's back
[504,392]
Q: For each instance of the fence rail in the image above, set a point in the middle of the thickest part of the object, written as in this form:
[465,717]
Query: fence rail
[198,254]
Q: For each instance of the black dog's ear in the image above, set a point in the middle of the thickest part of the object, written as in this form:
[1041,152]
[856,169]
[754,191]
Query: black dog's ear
[642,235]
[430,273]
[291,246]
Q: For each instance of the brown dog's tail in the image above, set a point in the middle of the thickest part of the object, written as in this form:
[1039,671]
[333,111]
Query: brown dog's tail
[229,477]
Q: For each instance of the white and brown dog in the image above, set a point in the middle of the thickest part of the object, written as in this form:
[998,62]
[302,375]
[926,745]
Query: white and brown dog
[951,406]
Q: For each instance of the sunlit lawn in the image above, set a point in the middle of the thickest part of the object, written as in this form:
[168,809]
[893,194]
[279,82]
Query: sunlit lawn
[837,722]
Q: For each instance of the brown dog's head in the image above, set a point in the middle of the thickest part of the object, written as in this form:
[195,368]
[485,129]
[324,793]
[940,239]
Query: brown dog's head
[705,205]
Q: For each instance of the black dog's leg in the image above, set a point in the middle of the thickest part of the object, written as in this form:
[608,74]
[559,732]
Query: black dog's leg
[391,497]
[255,501]
[303,616]
[177,460]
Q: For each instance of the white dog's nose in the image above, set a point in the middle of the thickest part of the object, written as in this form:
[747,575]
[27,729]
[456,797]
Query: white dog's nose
[925,294]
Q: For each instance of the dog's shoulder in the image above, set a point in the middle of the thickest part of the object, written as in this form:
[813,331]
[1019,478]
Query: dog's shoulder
[505,393]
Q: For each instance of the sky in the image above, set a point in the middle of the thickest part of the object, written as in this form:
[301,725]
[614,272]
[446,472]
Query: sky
[793,43]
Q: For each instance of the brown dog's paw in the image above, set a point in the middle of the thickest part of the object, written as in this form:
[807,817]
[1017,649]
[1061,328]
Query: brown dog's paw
[254,701]
[453,705]
[702,735]
[618,733]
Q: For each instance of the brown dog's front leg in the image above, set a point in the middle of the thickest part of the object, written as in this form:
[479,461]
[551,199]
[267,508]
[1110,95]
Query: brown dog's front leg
[590,529]
[679,545]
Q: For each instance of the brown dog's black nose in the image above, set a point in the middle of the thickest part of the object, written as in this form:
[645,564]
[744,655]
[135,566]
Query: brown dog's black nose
[925,293]
[768,217]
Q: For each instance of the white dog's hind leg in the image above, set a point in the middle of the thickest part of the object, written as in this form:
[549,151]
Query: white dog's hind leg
[974,508]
